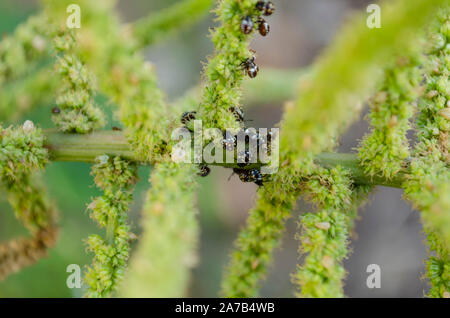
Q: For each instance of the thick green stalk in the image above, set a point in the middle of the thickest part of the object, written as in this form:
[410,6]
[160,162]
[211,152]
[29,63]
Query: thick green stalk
[166,253]
[85,148]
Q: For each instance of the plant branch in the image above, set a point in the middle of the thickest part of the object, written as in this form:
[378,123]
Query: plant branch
[85,148]
[274,85]
[158,25]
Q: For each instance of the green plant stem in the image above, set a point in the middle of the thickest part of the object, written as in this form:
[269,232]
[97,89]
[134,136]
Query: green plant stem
[85,148]
[167,251]
[274,85]
[154,27]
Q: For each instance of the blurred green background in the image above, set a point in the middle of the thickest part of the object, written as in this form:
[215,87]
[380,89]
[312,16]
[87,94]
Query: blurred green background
[389,233]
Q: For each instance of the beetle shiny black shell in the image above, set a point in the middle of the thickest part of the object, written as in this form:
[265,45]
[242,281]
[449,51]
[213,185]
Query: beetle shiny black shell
[256,177]
[238,113]
[263,27]
[266,7]
[252,175]
[56,110]
[252,71]
[204,170]
[247,25]
[243,174]
[187,116]
[250,67]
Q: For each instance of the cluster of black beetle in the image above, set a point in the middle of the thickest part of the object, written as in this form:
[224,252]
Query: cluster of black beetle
[247,24]
[244,158]
[230,142]
[266,8]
